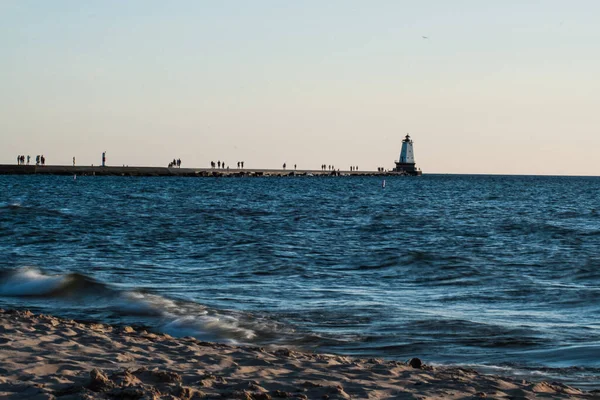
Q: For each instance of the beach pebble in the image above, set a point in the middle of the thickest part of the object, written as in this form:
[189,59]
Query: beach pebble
[415,363]
[284,352]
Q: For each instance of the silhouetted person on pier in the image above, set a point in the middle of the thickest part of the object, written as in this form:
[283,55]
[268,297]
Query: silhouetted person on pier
[73,161]
[37,160]
[238,165]
[219,164]
[43,160]
[284,166]
[28,158]
[294,167]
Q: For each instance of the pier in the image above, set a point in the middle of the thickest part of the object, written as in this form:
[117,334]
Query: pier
[174,171]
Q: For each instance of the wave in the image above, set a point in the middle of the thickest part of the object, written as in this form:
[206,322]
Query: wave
[176,317]
[32,282]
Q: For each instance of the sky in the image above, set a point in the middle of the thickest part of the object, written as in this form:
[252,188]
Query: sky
[498,87]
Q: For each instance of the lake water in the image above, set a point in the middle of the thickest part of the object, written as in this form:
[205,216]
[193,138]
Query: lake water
[501,273]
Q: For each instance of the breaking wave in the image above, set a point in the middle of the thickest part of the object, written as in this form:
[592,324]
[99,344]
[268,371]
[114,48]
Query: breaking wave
[175,317]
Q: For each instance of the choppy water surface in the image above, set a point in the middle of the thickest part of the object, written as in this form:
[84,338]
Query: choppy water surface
[498,272]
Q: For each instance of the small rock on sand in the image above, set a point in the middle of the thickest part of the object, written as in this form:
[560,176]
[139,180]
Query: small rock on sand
[415,363]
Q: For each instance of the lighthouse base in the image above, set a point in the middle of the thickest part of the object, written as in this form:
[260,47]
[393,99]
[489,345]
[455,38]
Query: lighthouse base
[407,169]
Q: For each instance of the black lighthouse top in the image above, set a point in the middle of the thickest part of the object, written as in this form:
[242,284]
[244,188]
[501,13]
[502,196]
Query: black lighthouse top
[407,138]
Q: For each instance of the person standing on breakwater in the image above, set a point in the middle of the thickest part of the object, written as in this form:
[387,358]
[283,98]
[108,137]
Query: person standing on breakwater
[219,164]
[104,158]
[19,160]
[28,158]
[43,159]
[284,166]
[73,161]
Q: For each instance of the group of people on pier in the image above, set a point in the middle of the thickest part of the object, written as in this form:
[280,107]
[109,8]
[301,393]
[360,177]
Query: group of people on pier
[175,163]
[39,160]
[332,167]
[219,164]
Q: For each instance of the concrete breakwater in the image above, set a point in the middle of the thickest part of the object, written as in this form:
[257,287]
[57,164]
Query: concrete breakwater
[164,171]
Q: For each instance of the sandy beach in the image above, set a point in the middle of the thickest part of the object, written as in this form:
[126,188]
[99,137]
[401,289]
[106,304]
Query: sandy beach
[44,357]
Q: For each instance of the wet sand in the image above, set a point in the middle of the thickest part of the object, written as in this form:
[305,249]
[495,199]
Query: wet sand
[44,357]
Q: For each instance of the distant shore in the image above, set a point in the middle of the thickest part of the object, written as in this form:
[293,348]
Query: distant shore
[45,357]
[174,171]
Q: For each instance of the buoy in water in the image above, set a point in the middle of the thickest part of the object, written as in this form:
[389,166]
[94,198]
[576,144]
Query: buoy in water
[383,184]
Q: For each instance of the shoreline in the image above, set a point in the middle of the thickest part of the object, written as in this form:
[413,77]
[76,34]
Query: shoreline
[173,171]
[46,357]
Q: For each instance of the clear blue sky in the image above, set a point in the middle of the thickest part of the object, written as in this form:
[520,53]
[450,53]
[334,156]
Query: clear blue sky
[498,87]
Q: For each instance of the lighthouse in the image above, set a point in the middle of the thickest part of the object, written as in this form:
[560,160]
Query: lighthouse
[406,163]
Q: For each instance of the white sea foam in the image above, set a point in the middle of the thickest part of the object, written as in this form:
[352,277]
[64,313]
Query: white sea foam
[209,327]
[30,282]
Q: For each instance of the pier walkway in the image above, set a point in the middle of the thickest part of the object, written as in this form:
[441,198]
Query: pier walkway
[164,171]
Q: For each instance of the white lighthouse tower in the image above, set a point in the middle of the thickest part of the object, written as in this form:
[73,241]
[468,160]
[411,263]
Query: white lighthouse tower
[406,163]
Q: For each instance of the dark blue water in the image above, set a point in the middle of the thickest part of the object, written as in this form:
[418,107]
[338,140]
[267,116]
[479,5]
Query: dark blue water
[498,272]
